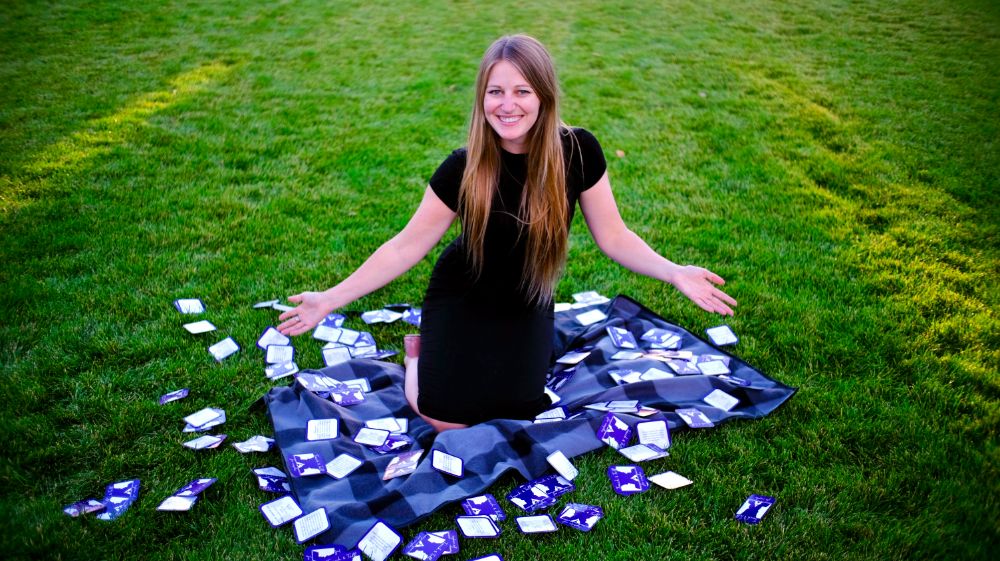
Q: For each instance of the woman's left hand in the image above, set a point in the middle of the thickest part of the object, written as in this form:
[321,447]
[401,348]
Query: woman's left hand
[698,284]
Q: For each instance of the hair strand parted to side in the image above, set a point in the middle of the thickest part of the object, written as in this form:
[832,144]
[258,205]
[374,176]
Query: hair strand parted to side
[544,208]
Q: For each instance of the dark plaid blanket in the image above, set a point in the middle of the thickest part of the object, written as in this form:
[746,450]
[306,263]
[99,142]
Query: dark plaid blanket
[492,448]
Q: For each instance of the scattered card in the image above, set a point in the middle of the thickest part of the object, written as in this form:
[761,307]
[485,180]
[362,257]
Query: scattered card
[403,464]
[280,370]
[591,317]
[206,442]
[342,466]
[446,463]
[656,433]
[203,326]
[379,541]
[536,524]
[477,526]
[694,418]
[614,432]
[224,348]
[174,503]
[484,505]
[713,368]
[573,357]
[304,465]
[272,480]
[643,452]
[562,465]
[580,516]
[371,437]
[622,338]
[189,305]
[670,480]
[721,335]
[272,336]
[754,509]
[628,480]
[311,525]
[173,396]
[721,400]
[322,429]
[278,354]
[281,511]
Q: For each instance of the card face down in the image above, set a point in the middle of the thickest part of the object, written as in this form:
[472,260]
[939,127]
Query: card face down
[670,480]
[754,509]
[446,463]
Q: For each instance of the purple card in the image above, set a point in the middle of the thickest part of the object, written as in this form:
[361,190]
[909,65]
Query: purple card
[195,487]
[189,305]
[450,538]
[322,552]
[302,465]
[346,395]
[84,507]
[490,557]
[614,432]
[580,516]
[364,339]
[272,480]
[118,497]
[660,336]
[403,464]
[754,509]
[426,546]
[628,480]
[694,418]
[394,443]
[173,396]
[484,505]
[622,338]
[412,316]
[529,499]
[333,320]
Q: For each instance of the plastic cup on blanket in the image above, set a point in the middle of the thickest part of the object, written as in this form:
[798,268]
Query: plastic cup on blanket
[411,344]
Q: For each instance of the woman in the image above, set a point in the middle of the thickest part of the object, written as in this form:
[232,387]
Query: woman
[486,330]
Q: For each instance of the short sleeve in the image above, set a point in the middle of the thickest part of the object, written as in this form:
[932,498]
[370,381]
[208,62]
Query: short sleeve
[587,164]
[447,180]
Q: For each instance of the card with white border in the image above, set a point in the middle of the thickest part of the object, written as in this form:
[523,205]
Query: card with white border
[573,357]
[591,317]
[327,333]
[626,355]
[322,429]
[447,463]
[174,503]
[721,400]
[694,417]
[198,327]
[342,466]
[311,525]
[277,354]
[304,465]
[281,511]
[403,464]
[189,305]
[380,541]
[280,370]
[484,505]
[477,526]
[265,304]
[202,417]
[754,508]
[643,452]
[536,524]
[174,396]
[622,338]
[384,423]
[224,349]
[371,437]
[713,367]
[336,355]
[721,335]
[562,465]
[656,433]
[282,307]
[272,336]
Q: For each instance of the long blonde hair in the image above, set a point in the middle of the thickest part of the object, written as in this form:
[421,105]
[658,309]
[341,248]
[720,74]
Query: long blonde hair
[544,208]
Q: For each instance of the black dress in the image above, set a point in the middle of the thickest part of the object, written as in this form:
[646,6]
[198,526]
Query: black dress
[484,349]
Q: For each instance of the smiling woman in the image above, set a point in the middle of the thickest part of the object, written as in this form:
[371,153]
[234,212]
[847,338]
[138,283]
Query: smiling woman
[487,324]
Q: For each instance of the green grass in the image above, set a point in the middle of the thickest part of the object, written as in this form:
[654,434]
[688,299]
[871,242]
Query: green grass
[836,161]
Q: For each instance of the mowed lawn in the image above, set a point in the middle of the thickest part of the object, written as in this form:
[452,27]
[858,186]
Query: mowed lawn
[837,162]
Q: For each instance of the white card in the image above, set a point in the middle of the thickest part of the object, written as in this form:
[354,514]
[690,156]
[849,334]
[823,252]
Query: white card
[655,373]
[336,355]
[591,317]
[279,354]
[721,335]
[670,480]
[535,524]
[452,465]
[561,307]
[573,357]
[721,400]
[590,297]
[361,383]
[281,511]
[371,437]
[322,429]
[626,355]
[477,526]
[713,367]
[553,396]
[176,504]
[282,307]
[561,464]
[311,525]
[641,453]
[379,543]
[265,304]
[349,336]
[202,442]
[327,333]
[385,423]
[653,432]
[272,336]
[256,443]
[202,417]
[404,425]
[224,348]
[190,306]
[203,326]
[342,466]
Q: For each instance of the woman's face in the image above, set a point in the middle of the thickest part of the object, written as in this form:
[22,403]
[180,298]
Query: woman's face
[511,106]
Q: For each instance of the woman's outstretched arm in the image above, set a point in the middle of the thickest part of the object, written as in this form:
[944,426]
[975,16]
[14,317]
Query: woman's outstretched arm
[621,244]
[393,258]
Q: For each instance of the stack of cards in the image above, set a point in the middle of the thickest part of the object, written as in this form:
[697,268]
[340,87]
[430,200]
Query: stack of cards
[186,496]
[83,507]
[118,497]
[540,493]
[579,516]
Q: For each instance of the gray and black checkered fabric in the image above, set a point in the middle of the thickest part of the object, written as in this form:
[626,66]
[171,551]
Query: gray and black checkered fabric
[492,448]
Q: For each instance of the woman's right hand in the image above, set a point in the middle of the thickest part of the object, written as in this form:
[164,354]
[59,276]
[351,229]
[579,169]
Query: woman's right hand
[312,308]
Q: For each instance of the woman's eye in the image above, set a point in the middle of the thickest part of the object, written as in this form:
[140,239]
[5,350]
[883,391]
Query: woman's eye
[524,92]
[493,92]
